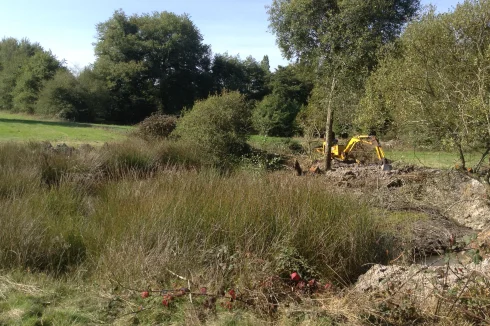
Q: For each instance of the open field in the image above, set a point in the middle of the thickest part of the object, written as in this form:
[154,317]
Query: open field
[20,127]
[433,159]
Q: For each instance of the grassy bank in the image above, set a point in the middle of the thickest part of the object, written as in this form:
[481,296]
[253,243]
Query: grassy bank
[20,127]
[84,232]
[99,202]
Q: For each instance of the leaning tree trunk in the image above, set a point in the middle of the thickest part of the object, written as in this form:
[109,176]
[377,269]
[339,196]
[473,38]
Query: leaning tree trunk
[478,166]
[328,129]
[328,140]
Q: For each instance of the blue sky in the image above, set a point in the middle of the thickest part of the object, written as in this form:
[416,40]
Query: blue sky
[67,27]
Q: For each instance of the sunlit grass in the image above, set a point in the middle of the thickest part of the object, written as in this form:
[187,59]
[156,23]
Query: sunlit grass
[21,127]
[133,209]
[432,159]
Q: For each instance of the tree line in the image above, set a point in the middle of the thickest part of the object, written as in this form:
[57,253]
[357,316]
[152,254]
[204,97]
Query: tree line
[379,65]
[145,64]
[433,84]
[390,67]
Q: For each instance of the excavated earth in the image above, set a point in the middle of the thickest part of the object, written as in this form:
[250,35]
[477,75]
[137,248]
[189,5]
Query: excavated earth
[456,203]
[456,206]
[444,194]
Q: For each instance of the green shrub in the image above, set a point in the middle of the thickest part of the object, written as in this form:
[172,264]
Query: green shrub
[157,126]
[217,127]
[63,97]
[274,116]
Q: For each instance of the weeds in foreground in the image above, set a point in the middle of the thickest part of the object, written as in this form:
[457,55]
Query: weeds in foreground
[129,212]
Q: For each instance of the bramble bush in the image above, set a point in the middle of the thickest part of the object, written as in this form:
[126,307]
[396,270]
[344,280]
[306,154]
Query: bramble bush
[157,126]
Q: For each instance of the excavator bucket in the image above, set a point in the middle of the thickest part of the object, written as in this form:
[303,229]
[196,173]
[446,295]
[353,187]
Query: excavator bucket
[386,167]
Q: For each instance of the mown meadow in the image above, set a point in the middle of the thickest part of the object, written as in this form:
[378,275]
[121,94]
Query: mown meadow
[23,127]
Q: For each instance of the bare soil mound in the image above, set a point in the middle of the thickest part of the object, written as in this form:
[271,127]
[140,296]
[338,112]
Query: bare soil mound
[449,194]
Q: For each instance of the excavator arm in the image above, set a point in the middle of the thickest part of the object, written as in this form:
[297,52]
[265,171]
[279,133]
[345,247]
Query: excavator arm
[341,152]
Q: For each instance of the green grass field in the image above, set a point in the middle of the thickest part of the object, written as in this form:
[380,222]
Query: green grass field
[19,127]
[433,159]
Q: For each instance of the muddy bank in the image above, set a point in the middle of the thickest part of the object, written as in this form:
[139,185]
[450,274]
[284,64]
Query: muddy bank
[424,279]
[420,292]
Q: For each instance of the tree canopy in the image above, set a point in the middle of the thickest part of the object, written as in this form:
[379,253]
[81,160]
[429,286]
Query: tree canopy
[339,40]
[336,33]
[435,84]
[151,62]
[234,74]
[24,67]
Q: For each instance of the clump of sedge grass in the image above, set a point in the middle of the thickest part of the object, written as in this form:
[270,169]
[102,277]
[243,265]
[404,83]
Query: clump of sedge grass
[134,210]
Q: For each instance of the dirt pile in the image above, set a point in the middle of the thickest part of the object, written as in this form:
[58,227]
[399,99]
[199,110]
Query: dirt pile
[437,291]
[472,208]
[448,194]
[455,204]
[423,279]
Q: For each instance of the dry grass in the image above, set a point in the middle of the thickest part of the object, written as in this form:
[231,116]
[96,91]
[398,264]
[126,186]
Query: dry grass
[131,210]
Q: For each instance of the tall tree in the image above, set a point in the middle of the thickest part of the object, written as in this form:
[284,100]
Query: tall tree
[274,116]
[150,62]
[41,67]
[288,83]
[63,96]
[276,113]
[98,98]
[234,74]
[435,88]
[24,66]
[339,38]
[265,64]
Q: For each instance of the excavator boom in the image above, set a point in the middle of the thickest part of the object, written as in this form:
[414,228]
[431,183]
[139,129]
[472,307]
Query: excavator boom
[345,152]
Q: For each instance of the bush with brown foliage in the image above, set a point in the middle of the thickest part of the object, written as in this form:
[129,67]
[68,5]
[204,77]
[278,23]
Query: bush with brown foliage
[157,126]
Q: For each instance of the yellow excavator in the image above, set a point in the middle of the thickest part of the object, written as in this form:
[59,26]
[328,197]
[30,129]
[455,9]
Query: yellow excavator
[349,152]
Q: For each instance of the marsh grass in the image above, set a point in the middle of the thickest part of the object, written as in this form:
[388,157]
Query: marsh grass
[82,231]
[131,211]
